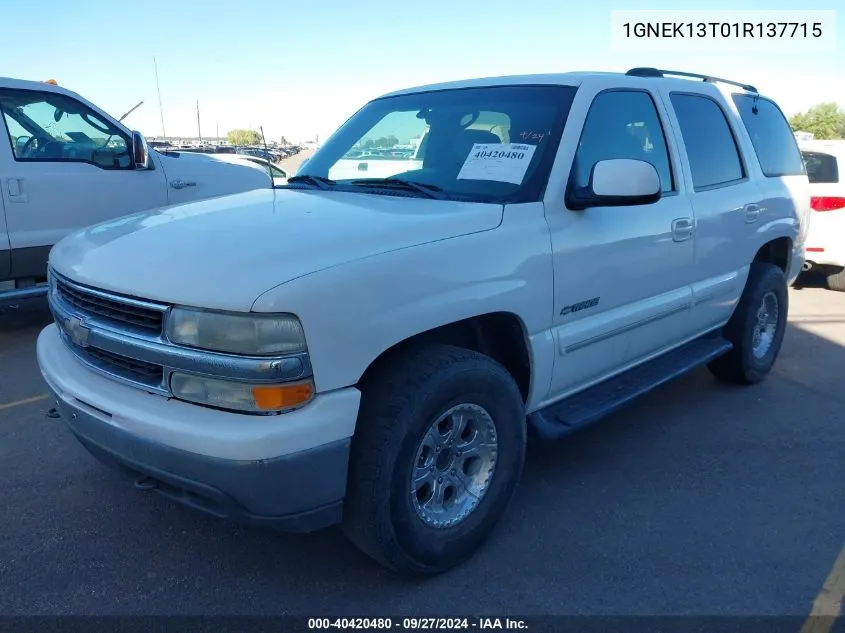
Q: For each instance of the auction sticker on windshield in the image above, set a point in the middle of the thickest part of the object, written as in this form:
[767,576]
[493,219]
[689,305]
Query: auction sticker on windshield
[502,162]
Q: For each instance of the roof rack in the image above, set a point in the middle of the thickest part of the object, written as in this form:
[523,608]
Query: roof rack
[657,72]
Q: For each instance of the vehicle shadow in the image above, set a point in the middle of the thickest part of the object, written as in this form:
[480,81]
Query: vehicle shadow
[19,328]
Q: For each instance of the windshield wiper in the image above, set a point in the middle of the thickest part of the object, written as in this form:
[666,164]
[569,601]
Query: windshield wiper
[432,191]
[319,181]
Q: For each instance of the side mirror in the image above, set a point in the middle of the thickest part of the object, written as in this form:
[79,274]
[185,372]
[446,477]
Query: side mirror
[618,182]
[140,151]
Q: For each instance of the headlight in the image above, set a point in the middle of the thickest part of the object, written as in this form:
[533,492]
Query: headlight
[239,396]
[250,334]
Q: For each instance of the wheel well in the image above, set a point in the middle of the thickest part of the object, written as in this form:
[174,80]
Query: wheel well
[776,252]
[499,335]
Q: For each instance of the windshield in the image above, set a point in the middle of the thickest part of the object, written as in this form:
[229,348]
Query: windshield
[481,144]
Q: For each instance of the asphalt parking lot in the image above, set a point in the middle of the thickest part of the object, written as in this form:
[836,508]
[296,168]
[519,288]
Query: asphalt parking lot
[699,499]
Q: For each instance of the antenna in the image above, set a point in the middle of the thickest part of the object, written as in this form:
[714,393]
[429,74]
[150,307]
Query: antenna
[138,105]
[266,151]
[160,110]
[199,131]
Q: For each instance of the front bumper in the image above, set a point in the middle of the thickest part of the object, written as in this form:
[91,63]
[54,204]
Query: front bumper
[291,486]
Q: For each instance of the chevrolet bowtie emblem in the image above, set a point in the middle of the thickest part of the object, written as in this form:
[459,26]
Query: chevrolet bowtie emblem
[77,331]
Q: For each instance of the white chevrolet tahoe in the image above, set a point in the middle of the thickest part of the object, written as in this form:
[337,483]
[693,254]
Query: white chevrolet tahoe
[375,351]
[65,164]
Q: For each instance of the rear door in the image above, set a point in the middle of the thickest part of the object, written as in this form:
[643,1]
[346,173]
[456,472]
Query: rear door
[726,202]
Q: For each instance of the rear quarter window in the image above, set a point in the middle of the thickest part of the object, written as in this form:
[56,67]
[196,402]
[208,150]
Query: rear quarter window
[772,138]
[821,168]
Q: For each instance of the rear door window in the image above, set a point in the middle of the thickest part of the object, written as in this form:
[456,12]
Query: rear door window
[821,168]
[711,147]
[772,138]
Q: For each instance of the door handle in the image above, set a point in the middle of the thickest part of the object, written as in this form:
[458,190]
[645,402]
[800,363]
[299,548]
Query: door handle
[181,184]
[752,212]
[682,229]
[15,188]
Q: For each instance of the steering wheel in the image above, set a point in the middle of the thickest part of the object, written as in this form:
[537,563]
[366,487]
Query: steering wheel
[26,146]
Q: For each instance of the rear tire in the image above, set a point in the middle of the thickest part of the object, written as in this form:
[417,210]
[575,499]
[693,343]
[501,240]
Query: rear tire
[399,509]
[836,281]
[756,328]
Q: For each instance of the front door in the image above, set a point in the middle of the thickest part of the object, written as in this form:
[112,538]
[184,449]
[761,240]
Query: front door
[69,167]
[622,274]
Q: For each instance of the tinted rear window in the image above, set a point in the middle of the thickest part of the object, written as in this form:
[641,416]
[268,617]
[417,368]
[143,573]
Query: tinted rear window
[821,168]
[773,140]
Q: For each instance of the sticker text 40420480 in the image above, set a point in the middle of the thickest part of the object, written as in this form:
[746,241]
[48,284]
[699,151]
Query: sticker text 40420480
[501,162]
[514,155]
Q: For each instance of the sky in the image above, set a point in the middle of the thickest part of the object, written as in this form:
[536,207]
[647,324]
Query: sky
[301,69]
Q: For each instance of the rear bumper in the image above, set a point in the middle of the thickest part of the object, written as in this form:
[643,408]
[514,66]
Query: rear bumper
[825,244]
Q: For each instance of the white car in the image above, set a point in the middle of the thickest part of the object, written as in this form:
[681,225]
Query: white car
[825,250]
[375,351]
[66,164]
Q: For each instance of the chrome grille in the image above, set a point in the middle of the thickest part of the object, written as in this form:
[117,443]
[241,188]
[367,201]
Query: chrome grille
[139,370]
[131,369]
[87,303]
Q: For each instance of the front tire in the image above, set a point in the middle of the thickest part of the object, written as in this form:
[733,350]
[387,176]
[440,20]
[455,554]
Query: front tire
[436,458]
[756,328]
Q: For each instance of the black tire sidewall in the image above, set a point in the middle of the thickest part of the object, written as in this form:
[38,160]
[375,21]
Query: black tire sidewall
[765,279]
[495,392]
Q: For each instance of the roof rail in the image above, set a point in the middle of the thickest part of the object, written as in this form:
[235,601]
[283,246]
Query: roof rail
[657,72]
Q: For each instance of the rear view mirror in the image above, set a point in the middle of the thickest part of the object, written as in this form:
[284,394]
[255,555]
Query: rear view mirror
[618,182]
[140,151]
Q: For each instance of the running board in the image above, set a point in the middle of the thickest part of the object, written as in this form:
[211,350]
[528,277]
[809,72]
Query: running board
[19,294]
[592,404]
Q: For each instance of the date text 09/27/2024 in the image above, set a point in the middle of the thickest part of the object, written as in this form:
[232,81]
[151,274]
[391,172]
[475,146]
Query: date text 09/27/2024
[722,29]
[417,624]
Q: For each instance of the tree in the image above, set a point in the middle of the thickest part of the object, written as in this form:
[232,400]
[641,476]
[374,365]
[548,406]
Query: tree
[386,141]
[824,120]
[243,137]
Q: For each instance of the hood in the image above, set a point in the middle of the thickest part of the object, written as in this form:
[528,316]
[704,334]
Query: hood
[225,252]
